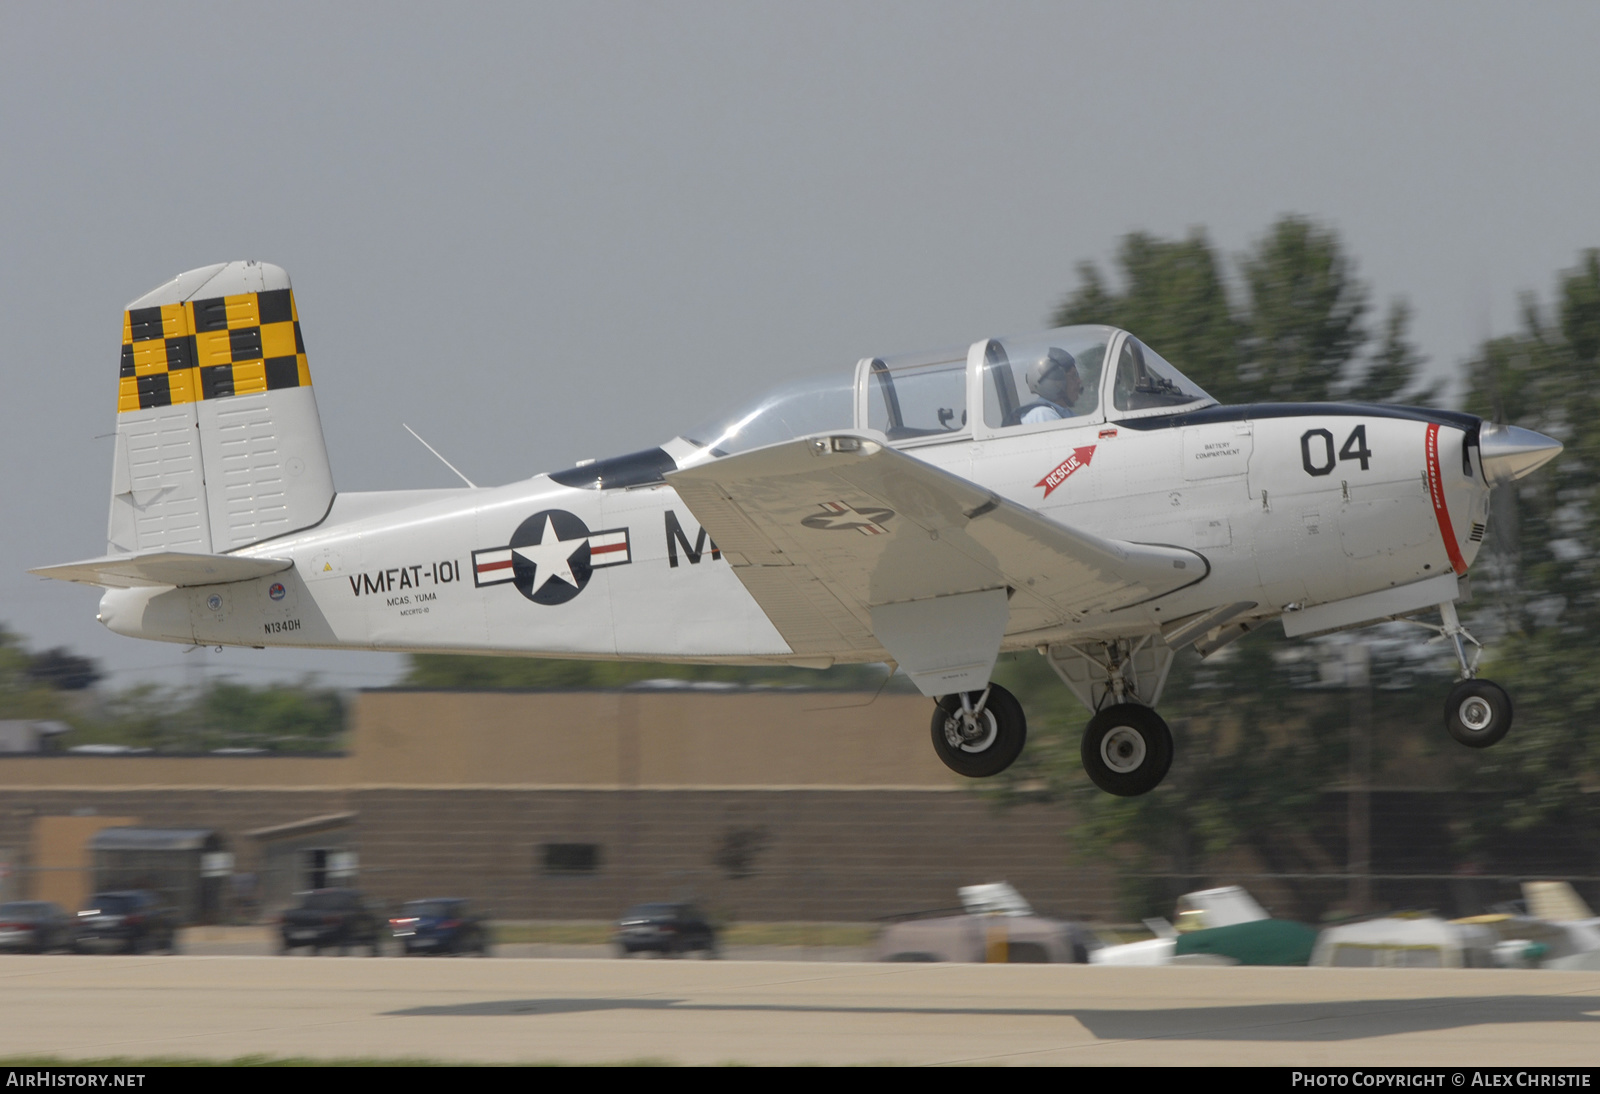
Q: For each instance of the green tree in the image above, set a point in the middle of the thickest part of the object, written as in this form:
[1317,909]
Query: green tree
[1395,367]
[1298,334]
[63,670]
[1540,614]
[1174,297]
[1257,745]
[1304,318]
[23,694]
[274,718]
[439,670]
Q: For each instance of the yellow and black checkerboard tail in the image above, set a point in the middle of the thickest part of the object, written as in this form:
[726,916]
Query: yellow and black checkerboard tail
[219,444]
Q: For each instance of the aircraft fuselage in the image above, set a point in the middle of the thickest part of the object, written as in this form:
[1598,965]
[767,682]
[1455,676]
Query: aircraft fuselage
[1290,505]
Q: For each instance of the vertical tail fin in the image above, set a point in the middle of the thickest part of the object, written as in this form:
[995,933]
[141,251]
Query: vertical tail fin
[219,444]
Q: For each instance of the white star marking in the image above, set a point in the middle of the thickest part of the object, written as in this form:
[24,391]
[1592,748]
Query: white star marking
[551,557]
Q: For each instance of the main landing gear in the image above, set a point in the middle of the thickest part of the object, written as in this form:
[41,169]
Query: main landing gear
[1127,747]
[979,733]
[1127,750]
[1477,713]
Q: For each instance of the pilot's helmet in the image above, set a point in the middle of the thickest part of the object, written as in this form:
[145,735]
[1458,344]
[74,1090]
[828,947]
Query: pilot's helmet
[1048,376]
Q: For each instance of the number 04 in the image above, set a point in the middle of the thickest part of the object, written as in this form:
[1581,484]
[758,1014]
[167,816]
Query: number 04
[1316,450]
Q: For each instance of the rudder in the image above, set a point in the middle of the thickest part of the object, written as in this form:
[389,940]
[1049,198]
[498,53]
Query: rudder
[219,444]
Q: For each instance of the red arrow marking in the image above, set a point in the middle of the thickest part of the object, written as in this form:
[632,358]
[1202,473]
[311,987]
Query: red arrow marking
[1080,458]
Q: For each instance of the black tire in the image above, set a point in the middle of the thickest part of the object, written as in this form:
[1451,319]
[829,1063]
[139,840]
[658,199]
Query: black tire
[1477,713]
[1127,750]
[1002,722]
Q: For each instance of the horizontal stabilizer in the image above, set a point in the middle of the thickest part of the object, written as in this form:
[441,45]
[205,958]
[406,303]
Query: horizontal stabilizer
[161,568]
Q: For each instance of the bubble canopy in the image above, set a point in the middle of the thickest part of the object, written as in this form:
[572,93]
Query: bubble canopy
[1069,376]
[813,405]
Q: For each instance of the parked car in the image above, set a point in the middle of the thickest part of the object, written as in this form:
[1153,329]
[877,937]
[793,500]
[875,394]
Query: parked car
[331,919]
[35,926]
[132,921]
[440,925]
[667,929]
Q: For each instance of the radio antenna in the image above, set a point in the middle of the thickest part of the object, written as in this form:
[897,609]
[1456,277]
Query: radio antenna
[442,460]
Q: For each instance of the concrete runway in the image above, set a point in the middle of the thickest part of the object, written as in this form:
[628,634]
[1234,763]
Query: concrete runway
[578,1011]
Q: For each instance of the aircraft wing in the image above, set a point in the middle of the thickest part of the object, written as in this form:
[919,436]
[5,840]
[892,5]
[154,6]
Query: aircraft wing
[154,569]
[822,530]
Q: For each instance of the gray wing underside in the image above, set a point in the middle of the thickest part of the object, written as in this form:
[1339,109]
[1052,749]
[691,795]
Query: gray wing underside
[802,524]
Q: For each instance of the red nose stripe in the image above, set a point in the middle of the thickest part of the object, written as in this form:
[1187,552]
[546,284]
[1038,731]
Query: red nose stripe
[1441,512]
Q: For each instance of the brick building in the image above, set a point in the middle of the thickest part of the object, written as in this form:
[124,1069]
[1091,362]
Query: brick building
[774,805]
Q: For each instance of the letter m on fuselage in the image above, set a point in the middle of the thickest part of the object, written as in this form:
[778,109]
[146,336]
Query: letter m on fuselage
[676,538]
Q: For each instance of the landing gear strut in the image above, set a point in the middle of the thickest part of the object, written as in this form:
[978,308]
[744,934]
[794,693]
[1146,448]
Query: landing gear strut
[979,733]
[1127,750]
[1127,747]
[1477,713]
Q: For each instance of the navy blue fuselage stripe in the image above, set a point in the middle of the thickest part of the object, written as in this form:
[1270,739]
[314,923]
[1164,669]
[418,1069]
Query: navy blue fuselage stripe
[1253,411]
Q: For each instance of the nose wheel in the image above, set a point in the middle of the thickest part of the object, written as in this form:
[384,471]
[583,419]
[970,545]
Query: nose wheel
[979,733]
[1477,713]
[1127,750]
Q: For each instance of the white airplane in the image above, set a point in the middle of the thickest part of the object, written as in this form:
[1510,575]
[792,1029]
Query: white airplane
[1069,492]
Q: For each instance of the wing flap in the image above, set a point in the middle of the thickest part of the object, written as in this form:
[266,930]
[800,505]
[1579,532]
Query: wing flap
[155,569]
[875,526]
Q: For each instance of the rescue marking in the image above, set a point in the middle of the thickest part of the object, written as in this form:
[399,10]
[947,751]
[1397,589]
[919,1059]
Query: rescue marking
[1080,458]
[836,516]
[1441,511]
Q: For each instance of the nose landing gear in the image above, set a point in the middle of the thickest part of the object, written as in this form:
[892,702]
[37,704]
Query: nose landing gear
[979,733]
[1477,713]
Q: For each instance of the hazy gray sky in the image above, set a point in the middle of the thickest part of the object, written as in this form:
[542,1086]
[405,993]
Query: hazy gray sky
[544,232]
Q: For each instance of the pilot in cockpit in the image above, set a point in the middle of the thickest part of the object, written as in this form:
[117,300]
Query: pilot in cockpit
[1054,379]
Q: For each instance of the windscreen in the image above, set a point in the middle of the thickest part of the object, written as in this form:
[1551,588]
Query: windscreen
[815,405]
[1146,381]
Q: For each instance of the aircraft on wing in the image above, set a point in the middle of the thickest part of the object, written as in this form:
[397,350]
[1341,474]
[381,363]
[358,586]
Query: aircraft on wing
[1069,492]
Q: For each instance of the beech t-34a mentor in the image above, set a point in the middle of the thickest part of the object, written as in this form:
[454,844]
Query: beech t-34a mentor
[1069,492]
